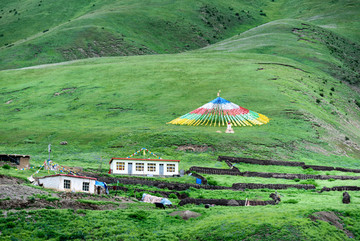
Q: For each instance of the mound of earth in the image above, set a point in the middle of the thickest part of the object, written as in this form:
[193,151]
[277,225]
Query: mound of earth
[331,218]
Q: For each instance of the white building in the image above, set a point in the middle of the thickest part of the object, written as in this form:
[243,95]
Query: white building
[67,182]
[136,166]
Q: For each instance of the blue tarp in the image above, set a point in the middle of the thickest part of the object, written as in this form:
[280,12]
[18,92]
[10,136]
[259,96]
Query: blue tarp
[166,201]
[97,183]
[198,181]
[102,184]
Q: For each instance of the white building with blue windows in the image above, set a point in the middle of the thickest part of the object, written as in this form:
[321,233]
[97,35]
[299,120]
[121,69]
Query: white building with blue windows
[144,167]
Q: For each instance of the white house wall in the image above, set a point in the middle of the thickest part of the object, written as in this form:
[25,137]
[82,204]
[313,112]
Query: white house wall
[76,184]
[145,172]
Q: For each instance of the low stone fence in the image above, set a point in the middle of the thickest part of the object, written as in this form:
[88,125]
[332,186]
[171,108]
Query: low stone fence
[259,162]
[340,188]
[242,186]
[215,171]
[299,176]
[229,159]
[236,172]
[225,202]
[159,184]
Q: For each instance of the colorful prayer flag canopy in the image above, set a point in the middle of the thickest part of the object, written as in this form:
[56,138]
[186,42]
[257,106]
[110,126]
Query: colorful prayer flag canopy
[219,112]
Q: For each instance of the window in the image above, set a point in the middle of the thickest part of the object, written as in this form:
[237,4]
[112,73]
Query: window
[170,167]
[86,186]
[139,167]
[120,166]
[151,167]
[66,184]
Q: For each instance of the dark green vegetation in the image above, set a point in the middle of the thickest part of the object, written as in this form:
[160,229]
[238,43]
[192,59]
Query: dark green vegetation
[296,62]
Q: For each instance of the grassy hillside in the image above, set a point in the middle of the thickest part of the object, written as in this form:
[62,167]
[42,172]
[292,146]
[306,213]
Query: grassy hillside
[37,32]
[114,106]
[296,62]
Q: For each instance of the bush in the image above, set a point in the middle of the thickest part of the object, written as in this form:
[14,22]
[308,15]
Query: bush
[318,101]
[138,215]
[173,196]
[357,103]
[296,179]
[292,201]
[310,182]
[331,180]
[6,166]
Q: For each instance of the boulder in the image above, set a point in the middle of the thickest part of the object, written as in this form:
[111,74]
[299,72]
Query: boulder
[185,214]
[232,202]
[346,198]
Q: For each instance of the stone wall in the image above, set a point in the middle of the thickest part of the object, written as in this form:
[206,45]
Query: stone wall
[242,186]
[259,162]
[225,202]
[235,171]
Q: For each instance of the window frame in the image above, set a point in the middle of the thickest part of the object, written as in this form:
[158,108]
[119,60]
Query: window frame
[151,167]
[139,166]
[170,167]
[67,182]
[87,186]
[120,166]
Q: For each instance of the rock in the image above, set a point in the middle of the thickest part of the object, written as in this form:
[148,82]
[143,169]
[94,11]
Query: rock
[275,197]
[346,198]
[232,202]
[185,214]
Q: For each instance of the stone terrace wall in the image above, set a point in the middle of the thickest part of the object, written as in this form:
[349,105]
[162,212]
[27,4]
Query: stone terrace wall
[259,162]
[236,172]
[159,184]
[228,159]
[224,202]
[340,188]
[242,186]
[216,171]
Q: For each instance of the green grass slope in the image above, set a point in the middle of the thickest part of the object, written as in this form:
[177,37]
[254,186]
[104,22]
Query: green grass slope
[38,32]
[298,66]
[126,102]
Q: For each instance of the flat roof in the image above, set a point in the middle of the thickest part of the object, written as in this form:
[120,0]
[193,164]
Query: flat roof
[15,155]
[69,175]
[142,159]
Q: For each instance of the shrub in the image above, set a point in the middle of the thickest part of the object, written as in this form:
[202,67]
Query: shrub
[173,195]
[357,103]
[331,179]
[296,179]
[309,181]
[318,101]
[332,89]
[138,215]
[52,199]
[292,201]
[6,166]
[309,171]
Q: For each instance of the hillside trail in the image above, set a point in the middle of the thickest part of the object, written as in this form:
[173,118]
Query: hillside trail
[50,30]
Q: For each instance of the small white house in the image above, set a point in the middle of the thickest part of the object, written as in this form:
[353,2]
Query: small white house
[143,167]
[67,182]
